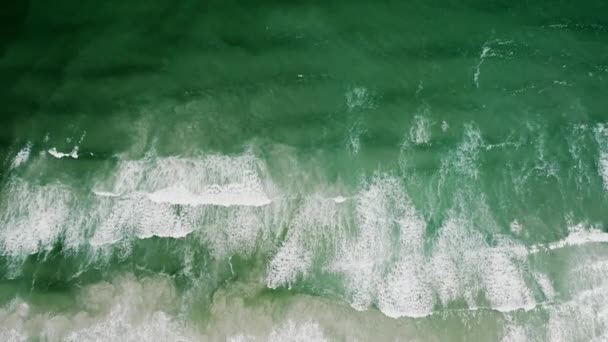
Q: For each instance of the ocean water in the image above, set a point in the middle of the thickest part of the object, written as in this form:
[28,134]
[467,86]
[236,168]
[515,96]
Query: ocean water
[304,171]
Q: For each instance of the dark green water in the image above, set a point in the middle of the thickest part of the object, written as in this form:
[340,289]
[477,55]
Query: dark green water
[304,171]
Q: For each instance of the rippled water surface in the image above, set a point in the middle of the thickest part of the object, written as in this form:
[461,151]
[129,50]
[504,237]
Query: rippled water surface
[304,171]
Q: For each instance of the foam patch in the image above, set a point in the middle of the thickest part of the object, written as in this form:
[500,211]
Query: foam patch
[22,156]
[34,216]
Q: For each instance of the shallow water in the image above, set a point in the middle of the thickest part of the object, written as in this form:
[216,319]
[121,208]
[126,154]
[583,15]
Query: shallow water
[271,170]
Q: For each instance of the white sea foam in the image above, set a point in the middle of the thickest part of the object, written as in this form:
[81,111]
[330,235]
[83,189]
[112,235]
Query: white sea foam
[137,217]
[515,227]
[179,179]
[484,53]
[449,254]
[289,263]
[358,97]
[32,217]
[12,335]
[463,264]
[601,136]
[467,153]
[465,159]
[420,132]
[22,156]
[544,166]
[226,195]
[515,334]
[236,230]
[502,269]
[496,48]
[504,282]
[584,316]
[545,284]
[578,235]
[360,261]
[381,207]
[214,193]
[396,275]
[603,168]
[403,280]
[223,197]
[12,316]
[105,194]
[353,142]
[317,223]
[72,154]
[406,291]
[339,199]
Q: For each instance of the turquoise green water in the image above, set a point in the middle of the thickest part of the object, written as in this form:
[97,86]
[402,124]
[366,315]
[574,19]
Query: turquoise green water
[313,171]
